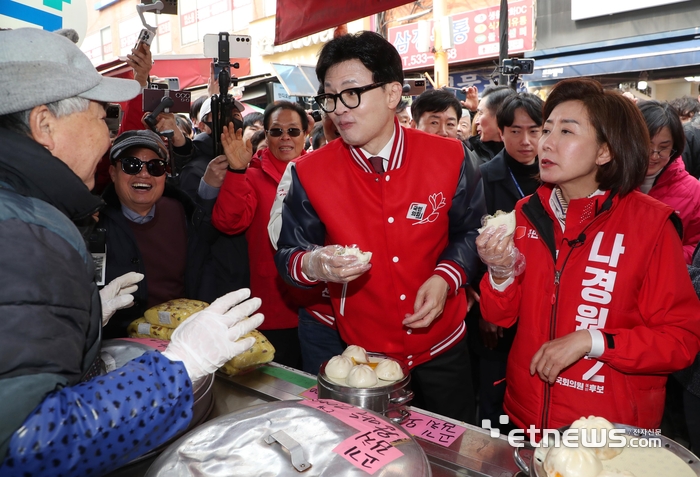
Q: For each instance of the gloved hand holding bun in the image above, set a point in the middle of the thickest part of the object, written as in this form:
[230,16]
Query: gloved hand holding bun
[208,339]
[334,263]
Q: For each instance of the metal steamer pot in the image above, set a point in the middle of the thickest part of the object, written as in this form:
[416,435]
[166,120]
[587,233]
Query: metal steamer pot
[389,400]
[535,466]
[285,439]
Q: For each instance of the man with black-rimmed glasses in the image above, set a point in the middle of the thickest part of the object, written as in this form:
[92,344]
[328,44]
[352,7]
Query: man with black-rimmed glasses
[410,198]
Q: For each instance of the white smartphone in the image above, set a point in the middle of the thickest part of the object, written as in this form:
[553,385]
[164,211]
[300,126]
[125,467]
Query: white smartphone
[239,46]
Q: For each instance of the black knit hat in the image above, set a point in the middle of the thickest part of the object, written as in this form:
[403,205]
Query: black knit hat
[139,138]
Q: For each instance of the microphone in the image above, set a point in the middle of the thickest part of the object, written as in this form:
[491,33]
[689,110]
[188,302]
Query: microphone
[578,241]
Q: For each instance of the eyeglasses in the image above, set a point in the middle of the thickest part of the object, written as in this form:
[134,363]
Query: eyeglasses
[133,165]
[349,97]
[663,153]
[277,132]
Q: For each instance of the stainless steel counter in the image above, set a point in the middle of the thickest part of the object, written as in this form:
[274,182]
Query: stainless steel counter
[474,453]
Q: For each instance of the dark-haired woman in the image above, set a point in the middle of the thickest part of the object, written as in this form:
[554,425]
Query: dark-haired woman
[594,273]
[666,178]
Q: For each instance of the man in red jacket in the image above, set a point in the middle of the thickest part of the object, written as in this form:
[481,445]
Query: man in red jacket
[408,197]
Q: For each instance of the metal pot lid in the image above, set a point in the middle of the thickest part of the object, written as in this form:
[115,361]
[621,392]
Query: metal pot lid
[318,438]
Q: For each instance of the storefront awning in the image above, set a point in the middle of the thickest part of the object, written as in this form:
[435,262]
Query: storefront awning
[299,18]
[191,71]
[649,57]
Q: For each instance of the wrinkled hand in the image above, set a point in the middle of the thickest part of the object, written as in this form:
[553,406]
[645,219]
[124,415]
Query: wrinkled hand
[556,355]
[117,294]
[472,101]
[239,153]
[216,171]
[499,253]
[323,264]
[489,333]
[167,121]
[430,301]
[141,61]
[472,297]
[208,339]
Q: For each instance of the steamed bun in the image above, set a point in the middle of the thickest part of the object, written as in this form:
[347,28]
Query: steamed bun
[615,473]
[362,376]
[572,462]
[389,370]
[356,352]
[590,433]
[338,367]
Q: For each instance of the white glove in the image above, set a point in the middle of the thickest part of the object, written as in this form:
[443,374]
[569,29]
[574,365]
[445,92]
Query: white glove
[117,294]
[208,339]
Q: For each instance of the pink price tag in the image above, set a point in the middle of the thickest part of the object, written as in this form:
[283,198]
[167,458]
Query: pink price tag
[311,393]
[160,345]
[432,429]
[367,451]
[358,418]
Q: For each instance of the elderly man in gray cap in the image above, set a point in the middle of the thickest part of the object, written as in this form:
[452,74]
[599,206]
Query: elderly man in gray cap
[55,418]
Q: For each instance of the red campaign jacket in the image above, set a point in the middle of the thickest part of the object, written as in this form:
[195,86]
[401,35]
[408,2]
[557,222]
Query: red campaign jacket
[626,276]
[681,191]
[243,205]
[419,218]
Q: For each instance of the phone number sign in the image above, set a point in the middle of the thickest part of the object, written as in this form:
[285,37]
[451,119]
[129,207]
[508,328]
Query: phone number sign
[476,35]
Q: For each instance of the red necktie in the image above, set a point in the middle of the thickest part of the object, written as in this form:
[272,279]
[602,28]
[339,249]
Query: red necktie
[377,163]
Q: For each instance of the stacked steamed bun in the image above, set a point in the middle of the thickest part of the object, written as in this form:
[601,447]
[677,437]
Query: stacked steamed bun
[585,460]
[355,369]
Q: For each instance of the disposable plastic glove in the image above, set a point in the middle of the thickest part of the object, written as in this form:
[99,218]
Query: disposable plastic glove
[499,253]
[207,340]
[324,264]
[117,294]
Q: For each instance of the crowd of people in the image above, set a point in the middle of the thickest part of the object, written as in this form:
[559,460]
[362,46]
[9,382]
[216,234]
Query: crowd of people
[586,308]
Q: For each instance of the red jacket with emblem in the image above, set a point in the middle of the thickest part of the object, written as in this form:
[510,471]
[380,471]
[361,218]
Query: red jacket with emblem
[419,218]
[627,279]
[244,205]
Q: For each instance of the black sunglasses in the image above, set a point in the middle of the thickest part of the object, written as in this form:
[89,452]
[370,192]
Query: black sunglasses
[277,132]
[133,165]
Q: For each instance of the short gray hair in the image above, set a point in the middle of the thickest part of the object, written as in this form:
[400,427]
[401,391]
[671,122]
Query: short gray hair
[19,121]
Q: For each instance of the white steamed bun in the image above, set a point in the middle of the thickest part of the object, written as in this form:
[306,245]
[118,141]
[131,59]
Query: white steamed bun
[338,367]
[362,376]
[356,352]
[572,462]
[389,370]
[590,431]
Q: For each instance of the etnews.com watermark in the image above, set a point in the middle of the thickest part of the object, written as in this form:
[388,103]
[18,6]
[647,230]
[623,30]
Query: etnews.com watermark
[593,438]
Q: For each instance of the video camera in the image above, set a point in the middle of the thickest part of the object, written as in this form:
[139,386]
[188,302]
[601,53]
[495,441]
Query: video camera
[222,104]
[516,66]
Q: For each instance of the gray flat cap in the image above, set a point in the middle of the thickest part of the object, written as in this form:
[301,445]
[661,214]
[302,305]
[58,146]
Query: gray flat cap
[39,67]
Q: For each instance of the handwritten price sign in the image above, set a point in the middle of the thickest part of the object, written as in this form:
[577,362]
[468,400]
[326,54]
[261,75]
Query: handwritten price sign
[311,393]
[432,429]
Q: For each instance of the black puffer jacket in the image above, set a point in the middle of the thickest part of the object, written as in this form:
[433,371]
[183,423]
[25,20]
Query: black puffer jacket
[123,255]
[50,312]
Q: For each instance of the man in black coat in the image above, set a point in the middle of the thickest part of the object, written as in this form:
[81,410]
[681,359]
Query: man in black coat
[511,175]
[153,228]
[201,179]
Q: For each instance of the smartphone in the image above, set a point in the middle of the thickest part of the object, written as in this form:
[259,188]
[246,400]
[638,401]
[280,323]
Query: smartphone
[181,99]
[239,46]
[146,36]
[459,93]
[165,83]
[415,86]
[114,116]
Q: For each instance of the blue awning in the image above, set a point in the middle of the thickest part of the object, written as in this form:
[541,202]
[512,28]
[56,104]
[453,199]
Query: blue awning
[622,60]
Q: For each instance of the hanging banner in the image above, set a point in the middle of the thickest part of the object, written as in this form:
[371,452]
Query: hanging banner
[299,18]
[475,35]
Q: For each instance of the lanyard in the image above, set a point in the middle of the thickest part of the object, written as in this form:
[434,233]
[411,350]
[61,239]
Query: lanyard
[516,183]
